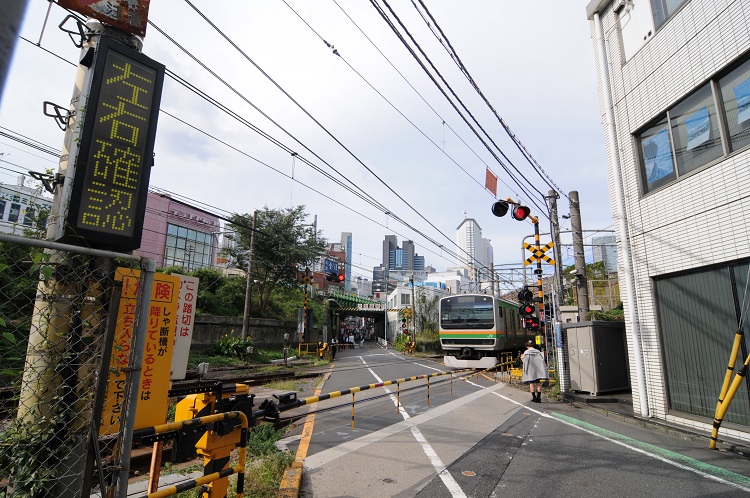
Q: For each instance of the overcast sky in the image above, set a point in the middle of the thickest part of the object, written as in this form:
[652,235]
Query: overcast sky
[532,59]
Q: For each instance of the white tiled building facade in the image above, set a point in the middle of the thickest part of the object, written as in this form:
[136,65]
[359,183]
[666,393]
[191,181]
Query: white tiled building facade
[674,94]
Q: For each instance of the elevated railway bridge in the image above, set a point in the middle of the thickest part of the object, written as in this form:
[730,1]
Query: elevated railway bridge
[344,306]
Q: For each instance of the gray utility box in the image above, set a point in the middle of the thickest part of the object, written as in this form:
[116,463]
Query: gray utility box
[597,356]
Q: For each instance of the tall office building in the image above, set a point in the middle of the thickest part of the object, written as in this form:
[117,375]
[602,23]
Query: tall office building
[475,252]
[399,261]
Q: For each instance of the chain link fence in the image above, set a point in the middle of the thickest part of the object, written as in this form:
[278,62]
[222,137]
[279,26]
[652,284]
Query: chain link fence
[67,366]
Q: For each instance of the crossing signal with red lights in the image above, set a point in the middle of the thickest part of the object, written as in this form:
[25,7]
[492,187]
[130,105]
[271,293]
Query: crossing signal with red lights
[526,297]
[520,213]
[517,212]
[526,310]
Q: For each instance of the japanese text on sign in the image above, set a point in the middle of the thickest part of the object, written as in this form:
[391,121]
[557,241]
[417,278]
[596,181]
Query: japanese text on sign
[110,186]
[151,405]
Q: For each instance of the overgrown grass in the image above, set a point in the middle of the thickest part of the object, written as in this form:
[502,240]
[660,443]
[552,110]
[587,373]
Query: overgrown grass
[265,465]
[208,356]
[298,385]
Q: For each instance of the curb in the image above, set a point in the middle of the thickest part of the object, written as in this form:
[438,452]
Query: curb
[721,445]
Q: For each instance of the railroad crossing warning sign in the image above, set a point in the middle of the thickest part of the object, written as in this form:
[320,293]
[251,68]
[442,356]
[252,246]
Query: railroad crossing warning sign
[538,253]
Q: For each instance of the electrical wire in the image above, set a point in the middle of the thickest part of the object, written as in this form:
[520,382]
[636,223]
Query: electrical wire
[384,16]
[385,210]
[454,55]
[337,53]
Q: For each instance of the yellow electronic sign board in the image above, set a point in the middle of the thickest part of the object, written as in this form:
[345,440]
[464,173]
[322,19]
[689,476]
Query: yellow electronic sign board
[110,187]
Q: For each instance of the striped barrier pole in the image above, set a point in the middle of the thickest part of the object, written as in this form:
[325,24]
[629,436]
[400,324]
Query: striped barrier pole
[727,380]
[335,394]
[725,404]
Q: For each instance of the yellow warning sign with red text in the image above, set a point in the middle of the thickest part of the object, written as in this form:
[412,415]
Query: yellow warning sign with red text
[151,404]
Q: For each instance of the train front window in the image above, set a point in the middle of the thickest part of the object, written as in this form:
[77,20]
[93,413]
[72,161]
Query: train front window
[462,312]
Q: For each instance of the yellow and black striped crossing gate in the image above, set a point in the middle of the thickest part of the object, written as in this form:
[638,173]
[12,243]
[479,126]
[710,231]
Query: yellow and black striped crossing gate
[538,253]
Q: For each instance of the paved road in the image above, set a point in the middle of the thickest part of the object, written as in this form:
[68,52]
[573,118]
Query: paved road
[488,440]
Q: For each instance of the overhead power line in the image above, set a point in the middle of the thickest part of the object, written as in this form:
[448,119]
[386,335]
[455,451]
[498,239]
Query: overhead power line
[453,254]
[533,199]
[441,37]
[354,156]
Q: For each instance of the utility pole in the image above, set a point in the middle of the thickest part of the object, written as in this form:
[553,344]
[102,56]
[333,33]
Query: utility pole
[413,310]
[580,261]
[555,229]
[493,282]
[249,285]
[385,333]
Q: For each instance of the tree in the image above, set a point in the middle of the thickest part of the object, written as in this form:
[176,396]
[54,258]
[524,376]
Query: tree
[427,312]
[283,244]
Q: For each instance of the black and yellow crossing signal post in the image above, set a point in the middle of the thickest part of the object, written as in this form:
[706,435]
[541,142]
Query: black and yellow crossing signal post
[531,322]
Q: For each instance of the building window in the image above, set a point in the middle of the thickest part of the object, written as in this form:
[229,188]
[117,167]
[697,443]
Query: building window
[656,150]
[187,248]
[695,130]
[28,217]
[405,299]
[15,211]
[664,9]
[735,93]
[2,210]
[690,134]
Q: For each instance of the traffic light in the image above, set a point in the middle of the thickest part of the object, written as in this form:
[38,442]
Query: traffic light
[332,277]
[500,208]
[526,310]
[520,212]
[525,297]
[341,278]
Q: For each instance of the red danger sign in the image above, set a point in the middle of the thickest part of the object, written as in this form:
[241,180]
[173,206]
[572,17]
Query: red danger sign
[130,16]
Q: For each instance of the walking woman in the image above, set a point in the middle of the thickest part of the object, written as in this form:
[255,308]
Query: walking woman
[534,371]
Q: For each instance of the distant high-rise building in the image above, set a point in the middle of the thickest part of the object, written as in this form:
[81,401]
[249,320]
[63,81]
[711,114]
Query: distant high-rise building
[475,252]
[346,244]
[398,261]
[605,249]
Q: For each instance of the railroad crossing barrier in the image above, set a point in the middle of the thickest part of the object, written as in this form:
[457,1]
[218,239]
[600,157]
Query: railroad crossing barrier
[218,480]
[290,400]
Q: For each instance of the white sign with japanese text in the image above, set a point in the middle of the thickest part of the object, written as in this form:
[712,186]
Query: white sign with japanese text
[184,328]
